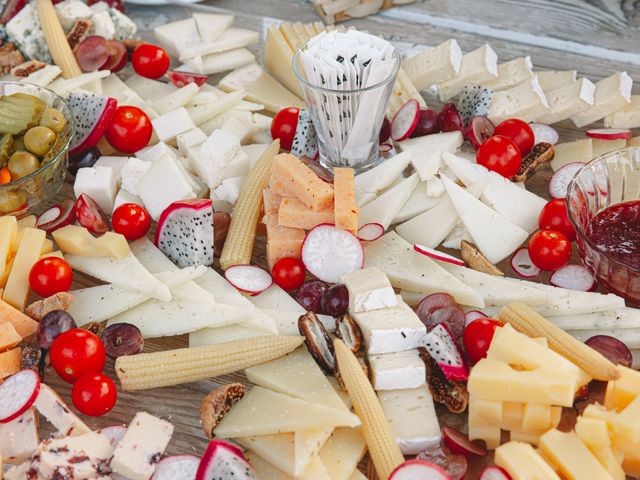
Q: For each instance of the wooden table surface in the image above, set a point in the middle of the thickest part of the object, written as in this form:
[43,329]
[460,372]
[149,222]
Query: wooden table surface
[596,37]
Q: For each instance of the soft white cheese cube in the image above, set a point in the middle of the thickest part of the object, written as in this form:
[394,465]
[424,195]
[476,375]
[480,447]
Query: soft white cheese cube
[395,371]
[99,183]
[190,139]
[626,117]
[569,100]
[125,27]
[369,289]
[237,167]
[525,102]
[103,25]
[214,154]
[19,438]
[478,66]
[240,129]
[612,94]
[226,194]
[156,151]
[434,65]
[99,7]
[553,79]
[70,11]
[132,172]
[85,454]
[174,123]
[115,163]
[511,73]
[125,197]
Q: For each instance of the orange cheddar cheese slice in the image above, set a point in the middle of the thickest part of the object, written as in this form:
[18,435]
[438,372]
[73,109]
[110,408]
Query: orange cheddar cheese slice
[300,180]
[347,212]
[10,362]
[293,213]
[9,337]
[277,188]
[271,202]
[23,324]
[283,242]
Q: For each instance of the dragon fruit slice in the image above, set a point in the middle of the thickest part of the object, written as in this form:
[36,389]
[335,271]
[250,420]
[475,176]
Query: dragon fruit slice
[185,232]
[305,141]
[443,349]
[92,115]
[474,101]
[222,461]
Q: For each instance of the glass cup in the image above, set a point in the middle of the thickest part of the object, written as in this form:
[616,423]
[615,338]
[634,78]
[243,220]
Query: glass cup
[352,142]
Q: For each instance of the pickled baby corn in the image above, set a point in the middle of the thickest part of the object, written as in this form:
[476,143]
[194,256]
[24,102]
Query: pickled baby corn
[384,450]
[174,367]
[524,319]
[57,40]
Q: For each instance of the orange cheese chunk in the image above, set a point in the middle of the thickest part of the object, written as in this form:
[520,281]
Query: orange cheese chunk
[347,211]
[10,362]
[9,337]
[623,391]
[293,213]
[271,202]
[277,188]
[23,324]
[300,180]
[283,242]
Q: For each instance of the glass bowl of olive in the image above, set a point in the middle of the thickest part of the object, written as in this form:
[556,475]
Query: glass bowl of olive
[35,131]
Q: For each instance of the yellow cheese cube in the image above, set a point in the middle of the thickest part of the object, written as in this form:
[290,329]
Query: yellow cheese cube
[477,420]
[536,417]
[571,456]
[47,247]
[595,410]
[78,241]
[28,253]
[627,423]
[490,434]
[512,413]
[526,437]
[610,461]
[522,462]
[490,410]
[624,390]
[594,432]
[556,416]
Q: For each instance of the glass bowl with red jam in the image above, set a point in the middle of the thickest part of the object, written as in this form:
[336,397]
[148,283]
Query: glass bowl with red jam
[603,202]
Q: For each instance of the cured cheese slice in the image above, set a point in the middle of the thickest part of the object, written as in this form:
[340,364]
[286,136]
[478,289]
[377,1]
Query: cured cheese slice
[600,146]
[300,180]
[8,232]
[278,187]
[380,177]
[576,151]
[346,209]
[9,337]
[278,57]
[384,209]
[270,202]
[294,214]
[418,202]
[23,324]
[78,241]
[315,470]
[10,362]
[217,335]
[283,242]
[263,412]
[17,290]
[522,462]
[341,454]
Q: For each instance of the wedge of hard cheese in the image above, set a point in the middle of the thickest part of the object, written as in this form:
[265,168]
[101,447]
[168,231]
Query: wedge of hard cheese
[294,214]
[347,212]
[283,242]
[9,337]
[24,325]
[302,182]
[10,362]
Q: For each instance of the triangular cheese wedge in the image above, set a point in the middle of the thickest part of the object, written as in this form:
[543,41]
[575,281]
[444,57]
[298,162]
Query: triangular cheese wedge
[211,25]
[266,470]
[383,209]
[215,336]
[342,452]
[494,235]
[427,151]
[264,412]
[369,183]
[417,203]
[467,171]
[409,270]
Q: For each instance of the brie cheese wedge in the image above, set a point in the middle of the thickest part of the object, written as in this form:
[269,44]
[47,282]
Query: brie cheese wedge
[434,65]
[477,67]
[511,73]
[525,102]
[569,100]
[626,117]
[612,94]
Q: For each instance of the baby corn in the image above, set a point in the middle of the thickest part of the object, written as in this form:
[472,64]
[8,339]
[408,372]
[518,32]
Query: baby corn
[57,40]
[524,319]
[174,367]
[384,450]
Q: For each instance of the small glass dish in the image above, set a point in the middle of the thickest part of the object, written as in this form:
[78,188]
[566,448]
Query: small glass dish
[608,180]
[34,190]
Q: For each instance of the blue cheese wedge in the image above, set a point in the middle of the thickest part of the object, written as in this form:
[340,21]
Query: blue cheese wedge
[569,100]
[369,289]
[626,117]
[103,25]
[612,94]
[125,28]
[24,29]
[511,73]
[525,101]
[395,371]
[434,65]
[552,79]
[478,66]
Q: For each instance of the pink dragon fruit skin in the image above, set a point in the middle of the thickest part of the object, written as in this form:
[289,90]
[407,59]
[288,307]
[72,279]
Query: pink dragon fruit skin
[443,349]
[92,115]
[222,461]
[305,140]
[185,232]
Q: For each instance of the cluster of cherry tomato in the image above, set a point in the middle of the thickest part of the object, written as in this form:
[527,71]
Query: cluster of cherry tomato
[503,152]
[550,247]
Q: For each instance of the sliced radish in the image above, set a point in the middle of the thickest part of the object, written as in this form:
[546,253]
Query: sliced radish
[248,278]
[418,470]
[18,394]
[522,264]
[114,433]
[458,442]
[405,120]
[573,277]
[57,217]
[609,133]
[370,232]
[472,315]
[177,467]
[385,147]
[494,473]
[560,180]
[329,253]
[544,133]
[435,254]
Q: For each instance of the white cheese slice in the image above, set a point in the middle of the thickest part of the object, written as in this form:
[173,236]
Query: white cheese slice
[173,123]
[176,99]
[629,336]
[231,39]
[87,454]
[384,209]
[525,102]
[395,371]
[221,62]
[418,202]
[627,117]
[612,94]
[50,405]
[569,100]
[64,86]
[456,236]
[426,151]
[468,171]
[624,318]
[278,56]
[149,89]
[190,139]
[315,469]
[202,113]
[369,289]
[602,146]
[211,26]
[341,454]
[215,336]
[554,79]
[493,234]
[511,73]
[19,438]
[434,64]
[176,37]
[412,417]
[576,151]
[368,184]
[478,66]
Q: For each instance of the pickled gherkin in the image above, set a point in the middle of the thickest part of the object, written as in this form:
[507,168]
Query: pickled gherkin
[19,112]
[6,148]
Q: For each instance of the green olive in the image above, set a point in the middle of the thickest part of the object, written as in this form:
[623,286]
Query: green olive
[39,140]
[53,119]
[22,164]
[12,201]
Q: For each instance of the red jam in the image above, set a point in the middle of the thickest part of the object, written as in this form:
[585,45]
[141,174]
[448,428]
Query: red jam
[616,232]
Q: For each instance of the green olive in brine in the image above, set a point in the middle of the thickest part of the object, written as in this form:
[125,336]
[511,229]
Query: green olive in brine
[39,140]
[22,164]
[53,119]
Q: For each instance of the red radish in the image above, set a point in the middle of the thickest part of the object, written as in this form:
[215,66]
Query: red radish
[180,79]
[57,217]
[573,277]
[18,394]
[405,120]
[521,264]
[118,56]
[248,278]
[177,467]
[560,180]
[329,253]
[385,147]
[435,254]
[480,128]
[92,53]
[442,347]
[370,232]
[224,460]
[90,215]
[418,470]
[472,315]
[458,442]
[114,433]
[612,349]
[609,133]
[494,473]
[544,134]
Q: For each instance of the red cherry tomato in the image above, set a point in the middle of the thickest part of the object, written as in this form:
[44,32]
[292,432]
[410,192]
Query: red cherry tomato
[518,131]
[549,249]
[283,126]
[75,353]
[131,220]
[94,394]
[288,273]
[130,129]
[477,338]
[554,217]
[150,61]
[50,275]
[500,154]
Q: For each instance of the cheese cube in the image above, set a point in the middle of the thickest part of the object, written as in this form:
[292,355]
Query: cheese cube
[134,169]
[392,329]
[103,25]
[190,139]
[99,183]
[627,117]
[478,66]
[597,411]
[491,435]
[528,437]
[522,462]
[525,102]
[627,423]
[412,418]
[490,411]
[87,454]
[512,413]
[240,129]
[511,73]
[226,194]
[612,94]
[434,64]
[19,438]
[624,390]
[70,11]
[576,151]
[347,211]
[594,432]
[396,371]
[125,27]
[294,214]
[369,289]
[610,461]
[283,242]
[554,79]
[238,166]
[125,197]
[536,417]
[152,152]
[115,163]
[601,146]
[302,182]
[569,100]
[215,153]
[10,362]
[174,123]
[9,337]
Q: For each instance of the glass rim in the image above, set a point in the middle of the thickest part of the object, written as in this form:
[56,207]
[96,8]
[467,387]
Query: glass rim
[382,83]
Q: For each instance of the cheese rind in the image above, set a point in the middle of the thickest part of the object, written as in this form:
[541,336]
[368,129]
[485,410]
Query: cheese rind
[434,65]
[397,371]
[511,73]
[369,289]
[627,117]
[525,101]
[612,94]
